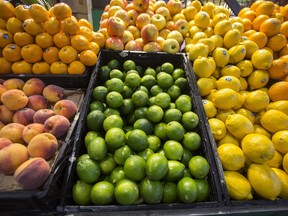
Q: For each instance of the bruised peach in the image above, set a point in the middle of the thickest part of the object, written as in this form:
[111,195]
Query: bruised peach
[65,108]
[14,99]
[33,86]
[24,116]
[57,125]
[32,130]
[37,102]
[13,131]
[42,115]
[6,115]
[43,145]
[32,173]
[14,83]
[4,142]
[53,93]
[11,157]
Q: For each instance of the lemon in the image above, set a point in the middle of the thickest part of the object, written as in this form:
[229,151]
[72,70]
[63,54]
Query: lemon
[202,19]
[274,121]
[216,74]
[218,17]
[244,83]
[238,25]
[222,27]
[264,181]
[237,53]
[209,8]
[276,161]
[256,100]
[221,56]
[251,47]
[209,108]
[280,141]
[239,125]
[222,114]
[209,32]
[246,67]
[238,186]
[262,59]
[229,82]
[259,129]
[232,38]
[203,67]
[218,40]
[228,138]
[205,85]
[209,42]
[197,36]
[281,105]
[285,162]
[230,70]
[258,79]
[193,30]
[196,50]
[225,98]
[217,127]
[239,102]
[283,177]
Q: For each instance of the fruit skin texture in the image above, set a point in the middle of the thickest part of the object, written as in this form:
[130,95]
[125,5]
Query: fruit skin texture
[231,156]
[14,99]
[274,121]
[278,91]
[239,125]
[57,125]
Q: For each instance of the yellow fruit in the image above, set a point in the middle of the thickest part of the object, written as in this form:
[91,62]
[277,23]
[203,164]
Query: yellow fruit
[217,127]
[7,10]
[218,17]
[61,11]
[209,108]
[79,42]
[237,53]
[232,38]
[209,42]
[58,67]
[88,57]
[23,38]
[197,50]
[202,19]
[197,36]
[283,177]
[2,24]
[256,101]
[239,102]
[76,67]
[280,141]
[218,40]
[225,98]
[209,8]
[203,67]
[259,129]
[22,67]
[264,181]
[221,56]
[52,25]
[41,68]
[244,83]
[228,138]
[247,113]
[32,27]
[274,121]
[14,25]
[86,32]
[205,85]
[39,13]
[31,53]
[222,27]
[44,40]
[197,4]
[231,70]
[281,105]
[231,156]
[239,125]
[21,12]
[251,47]
[276,42]
[5,38]
[222,114]
[276,161]
[245,67]
[258,79]
[238,186]
[11,52]
[70,26]
[229,82]
[193,30]
[6,66]
[270,26]
[221,9]
[239,26]
[278,91]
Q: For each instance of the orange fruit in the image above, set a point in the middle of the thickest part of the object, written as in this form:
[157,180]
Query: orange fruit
[58,68]
[276,42]
[44,40]
[61,39]
[278,69]
[39,13]
[50,55]
[88,57]
[52,25]
[86,32]
[23,38]
[278,91]
[247,24]
[255,4]
[22,67]
[79,42]
[21,12]
[70,26]
[5,38]
[283,51]
[86,23]
[259,38]
[244,9]
[99,38]
[76,67]
[270,26]
[41,68]
[278,16]
[267,8]
[11,52]
[249,14]
[259,20]
[249,32]
[7,10]
[284,29]
[2,24]
[32,27]
[6,66]
[14,25]
[31,53]
[284,12]
[61,11]
[68,54]
[94,47]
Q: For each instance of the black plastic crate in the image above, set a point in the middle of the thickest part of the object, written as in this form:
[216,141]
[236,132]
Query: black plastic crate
[208,150]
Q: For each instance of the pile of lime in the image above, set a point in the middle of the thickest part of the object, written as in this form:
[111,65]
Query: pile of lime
[142,141]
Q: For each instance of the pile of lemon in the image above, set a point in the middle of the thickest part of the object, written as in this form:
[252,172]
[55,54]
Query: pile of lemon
[236,60]
[36,40]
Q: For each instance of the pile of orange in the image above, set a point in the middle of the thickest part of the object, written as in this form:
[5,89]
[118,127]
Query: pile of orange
[37,40]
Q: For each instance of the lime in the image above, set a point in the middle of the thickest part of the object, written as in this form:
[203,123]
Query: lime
[114,99]
[112,121]
[187,173]
[127,106]
[130,119]
[126,192]
[156,166]
[90,135]
[199,167]
[107,164]
[134,168]
[160,131]
[97,105]
[88,170]
[152,101]
[187,155]
[143,88]
[127,128]
[169,192]
[154,113]
[114,84]
[204,189]
[99,93]
[116,73]
[172,115]
[97,149]
[133,80]
[182,83]
[140,112]
[175,171]
[140,98]
[172,106]
[163,100]
[150,71]
[158,69]
[173,150]
[192,141]
[131,71]
[137,140]
[104,73]
[145,154]
[129,65]
[143,124]
[174,92]
[153,142]
[127,92]
[164,80]
[94,120]
[122,153]
[151,191]
[183,103]
[148,81]
[102,193]
[167,67]
[177,73]
[187,190]
[111,111]
[190,120]
[114,64]
[175,131]
[115,138]
[81,193]
[139,69]
[117,175]
[156,89]
[83,156]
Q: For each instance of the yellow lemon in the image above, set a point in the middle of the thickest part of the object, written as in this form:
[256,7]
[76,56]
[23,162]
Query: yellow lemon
[239,26]
[285,162]
[281,105]
[276,161]
[256,100]
[209,108]
[280,141]
[262,59]
[239,125]
[222,9]
[244,83]
[193,30]
[247,113]
[238,186]
[222,114]
[197,36]
[209,31]
[259,129]
[211,95]
[251,47]
[245,67]
[228,138]
[221,56]
[264,181]
[222,27]
[225,98]
[203,67]
[232,38]
[202,19]
[231,70]
[283,177]
[218,40]
[239,102]
[237,53]
[209,8]
[258,79]
[209,42]
[205,85]
[274,121]
[231,156]
[198,49]
[218,17]
[217,73]
[217,127]
[229,82]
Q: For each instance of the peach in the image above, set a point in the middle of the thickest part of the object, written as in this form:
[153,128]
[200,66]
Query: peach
[14,83]
[11,157]
[53,93]
[2,90]
[32,173]
[57,125]
[66,108]
[4,142]
[14,99]
[24,116]
[43,145]
[32,130]
[42,115]
[6,115]
[33,86]
[13,131]
[37,102]
[2,81]
[1,125]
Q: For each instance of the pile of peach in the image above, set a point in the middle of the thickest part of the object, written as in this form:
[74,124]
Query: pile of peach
[33,118]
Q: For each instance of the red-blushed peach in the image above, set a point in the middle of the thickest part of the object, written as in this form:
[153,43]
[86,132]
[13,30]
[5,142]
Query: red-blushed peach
[43,145]
[53,93]
[32,130]
[24,116]
[42,115]
[14,99]
[4,142]
[14,83]
[13,131]
[37,102]
[33,86]
[11,157]
[57,125]
[66,108]
[2,90]
[32,173]
[6,115]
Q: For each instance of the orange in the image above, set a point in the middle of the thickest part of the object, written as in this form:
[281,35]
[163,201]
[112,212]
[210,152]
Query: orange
[14,25]
[255,4]
[86,23]
[267,8]
[68,54]
[23,38]
[278,91]
[61,39]
[5,38]
[278,69]
[247,24]
[61,11]
[11,52]
[52,25]
[50,55]
[22,67]
[21,12]
[276,42]
[259,38]
[86,32]
[278,16]
[39,13]
[70,26]
[58,68]
[284,12]
[32,27]
[41,68]
[79,42]
[88,57]
[2,24]
[76,67]
[283,51]
[31,53]
[259,20]
[284,29]
[270,26]
[249,32]
[244,9]
[44,40]
[94,47]
[99,38]
[249,14]
[6,66]
[7,10]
